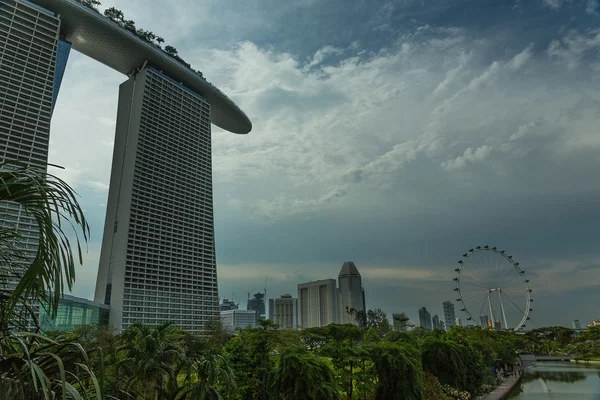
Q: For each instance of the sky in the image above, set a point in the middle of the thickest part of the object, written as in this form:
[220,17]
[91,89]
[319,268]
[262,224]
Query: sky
[395,134]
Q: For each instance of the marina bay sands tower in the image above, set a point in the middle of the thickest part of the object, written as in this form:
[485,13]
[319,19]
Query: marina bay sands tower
[157,260]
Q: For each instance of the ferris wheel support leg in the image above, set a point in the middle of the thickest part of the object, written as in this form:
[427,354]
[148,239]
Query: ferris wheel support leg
[502,308]
[491,310]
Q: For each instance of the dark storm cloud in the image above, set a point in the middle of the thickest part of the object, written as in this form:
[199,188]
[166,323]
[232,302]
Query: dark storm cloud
[397,134]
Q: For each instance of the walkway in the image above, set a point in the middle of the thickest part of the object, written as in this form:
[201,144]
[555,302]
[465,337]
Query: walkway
[504,389]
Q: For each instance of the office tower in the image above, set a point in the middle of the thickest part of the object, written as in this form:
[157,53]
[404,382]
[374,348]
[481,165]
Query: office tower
[317,303]
[227,305]
[257,303]
[498,325]
[576,324]
[32,61]
[449,316]
[425,318]
[157,261]
[400,322]
[233,319]
[350,293]
[483,321]
[284,311]
[458,322]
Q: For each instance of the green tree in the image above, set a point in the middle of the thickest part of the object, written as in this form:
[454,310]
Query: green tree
[170,50]
[114,14]
[146,357]
[399,374]
[301,375]
[34,366]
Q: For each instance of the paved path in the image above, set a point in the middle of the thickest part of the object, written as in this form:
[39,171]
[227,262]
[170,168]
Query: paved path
[503,390]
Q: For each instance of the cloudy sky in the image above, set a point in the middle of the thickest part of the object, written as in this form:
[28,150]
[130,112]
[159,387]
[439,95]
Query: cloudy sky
[397,134]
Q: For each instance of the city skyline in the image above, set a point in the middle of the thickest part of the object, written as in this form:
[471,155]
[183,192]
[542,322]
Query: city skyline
[323,158]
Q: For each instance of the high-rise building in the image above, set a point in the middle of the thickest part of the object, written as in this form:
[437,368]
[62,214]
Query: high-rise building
[284,311]
[351,294]
[458,321]
[317,303]
[436,322]
[498,325]
[483,321]
[157,261]
[257,303]
[227,305]
[449,315]
[32,61]
[576,324]
[425,318]
[233,319]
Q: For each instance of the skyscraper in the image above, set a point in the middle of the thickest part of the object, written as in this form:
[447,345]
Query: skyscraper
[449,316]
[317,303]
[458,321]
[576,324]
[436,322]
[157,261]
[257,303]
[350,293]
[284,311]
[425,318]
[32,62]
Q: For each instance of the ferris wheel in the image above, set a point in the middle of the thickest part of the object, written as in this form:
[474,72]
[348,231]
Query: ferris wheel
[492,289]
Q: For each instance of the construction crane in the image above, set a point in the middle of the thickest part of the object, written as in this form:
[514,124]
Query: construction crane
[235,300]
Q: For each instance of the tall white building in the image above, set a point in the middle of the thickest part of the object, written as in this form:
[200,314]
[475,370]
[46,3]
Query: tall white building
[351,294]
[449,315]
[284,311]
[317,303]
[576,324]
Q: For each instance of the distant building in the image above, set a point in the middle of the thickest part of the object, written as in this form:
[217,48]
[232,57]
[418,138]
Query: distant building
[400,322]
[437,322]
[258,304]
[483,321]
[576,324]
[233,319]
[227,305]
[595,322]
[317,303]
[498,325]
[425,318]
[284,311]
[449,315]
[458,322]
[351,294]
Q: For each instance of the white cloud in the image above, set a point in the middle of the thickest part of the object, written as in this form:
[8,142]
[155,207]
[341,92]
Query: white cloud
[521,59]
[469,156]
[553,4]
[591,7]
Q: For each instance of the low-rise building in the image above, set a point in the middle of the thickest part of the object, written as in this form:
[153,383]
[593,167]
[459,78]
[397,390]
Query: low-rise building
[233,319]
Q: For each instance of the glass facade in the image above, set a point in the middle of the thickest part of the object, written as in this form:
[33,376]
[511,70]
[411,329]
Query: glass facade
[74,312]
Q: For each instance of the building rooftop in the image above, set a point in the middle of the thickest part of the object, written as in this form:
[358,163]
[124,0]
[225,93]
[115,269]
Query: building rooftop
[349,269]
[102,39]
